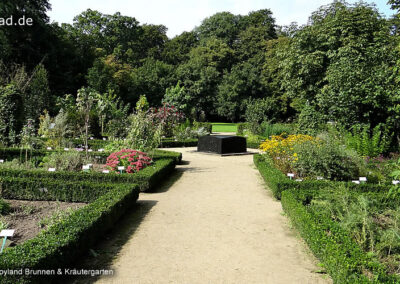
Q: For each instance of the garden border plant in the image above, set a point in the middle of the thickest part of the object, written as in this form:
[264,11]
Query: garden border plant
[8,154]
[146,178]
[278,182]
[343,258]
[60,244]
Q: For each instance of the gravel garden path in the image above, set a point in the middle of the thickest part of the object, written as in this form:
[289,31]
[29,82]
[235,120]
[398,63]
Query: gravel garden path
[216,223]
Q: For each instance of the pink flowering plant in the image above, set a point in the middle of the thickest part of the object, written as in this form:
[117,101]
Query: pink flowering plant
[132,160]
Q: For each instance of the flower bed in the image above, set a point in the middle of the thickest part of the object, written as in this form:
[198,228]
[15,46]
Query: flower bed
[133,161]
[279,182]
[335,238]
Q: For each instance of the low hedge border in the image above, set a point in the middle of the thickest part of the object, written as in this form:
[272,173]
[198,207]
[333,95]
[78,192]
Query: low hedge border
[51,189]
[170,143]
[58,246]
[278,182]
[146,178]
[344,260]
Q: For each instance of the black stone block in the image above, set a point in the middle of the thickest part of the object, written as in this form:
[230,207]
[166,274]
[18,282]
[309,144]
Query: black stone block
[222,144]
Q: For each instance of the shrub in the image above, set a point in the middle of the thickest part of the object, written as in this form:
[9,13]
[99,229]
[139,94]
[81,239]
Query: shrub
[278,182]
[55,130]
[281,149]
[132,160]
[260,110]
[328,159]
[367,142]
[65,161]
[241,127]
[343,258]
[168,117]
[144,134]
[47,189]
[4,207]
[274,129]
[310,121]
[15,164]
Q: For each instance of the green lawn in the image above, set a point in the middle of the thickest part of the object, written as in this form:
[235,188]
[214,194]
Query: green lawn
[224,127]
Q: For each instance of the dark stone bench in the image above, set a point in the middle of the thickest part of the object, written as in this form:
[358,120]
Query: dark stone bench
[222,144]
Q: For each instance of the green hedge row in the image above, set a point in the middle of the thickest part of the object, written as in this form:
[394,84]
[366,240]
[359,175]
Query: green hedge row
[278,182]
[162,154]
[146,178]
[51,189]
[171,143]
[344,260]
[61,244]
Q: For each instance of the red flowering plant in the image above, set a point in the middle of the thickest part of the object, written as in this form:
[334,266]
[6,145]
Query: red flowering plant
[168,116]
[132,160]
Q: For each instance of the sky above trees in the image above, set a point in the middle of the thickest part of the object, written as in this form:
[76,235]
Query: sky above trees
[184,15]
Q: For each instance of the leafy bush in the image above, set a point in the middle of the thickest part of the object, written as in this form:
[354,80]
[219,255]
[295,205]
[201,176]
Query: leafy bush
[167,117]
[281,149]
[343,258]
[271,129]
[327,159]
[241,127]
[15,164]
[4,207]
[65,161]
[279,182]
[144,134]
[132,160]
[310,121]
[260,110]
[55,130]
[369,143]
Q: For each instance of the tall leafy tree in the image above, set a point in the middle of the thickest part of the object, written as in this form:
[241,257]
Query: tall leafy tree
[340,63]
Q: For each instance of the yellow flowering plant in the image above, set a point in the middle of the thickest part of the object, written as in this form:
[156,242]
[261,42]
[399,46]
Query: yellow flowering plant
[281,149]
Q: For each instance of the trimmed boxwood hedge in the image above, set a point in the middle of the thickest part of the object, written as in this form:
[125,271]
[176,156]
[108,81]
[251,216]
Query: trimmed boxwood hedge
[58,246]
[51,189]
[62,243]
[146,178]
[278,182]
[344,260]
[171,143]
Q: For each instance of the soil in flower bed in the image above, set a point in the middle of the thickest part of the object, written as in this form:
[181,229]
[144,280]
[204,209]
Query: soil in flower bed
[28,218]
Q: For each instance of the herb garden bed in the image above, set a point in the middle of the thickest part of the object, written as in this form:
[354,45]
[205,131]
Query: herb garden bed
[108,196]
[28,218]
[350,227]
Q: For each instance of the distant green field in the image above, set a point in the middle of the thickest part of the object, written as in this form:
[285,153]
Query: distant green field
[224,127]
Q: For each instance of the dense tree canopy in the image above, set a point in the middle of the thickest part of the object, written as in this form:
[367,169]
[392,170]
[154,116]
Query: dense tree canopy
[342,64]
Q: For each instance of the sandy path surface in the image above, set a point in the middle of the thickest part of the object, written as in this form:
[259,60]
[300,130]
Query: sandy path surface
[215,224]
